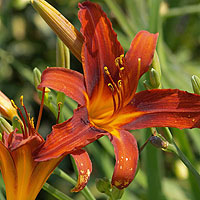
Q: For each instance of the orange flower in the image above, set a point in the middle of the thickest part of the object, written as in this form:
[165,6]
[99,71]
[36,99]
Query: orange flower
[107,98]
[25,177]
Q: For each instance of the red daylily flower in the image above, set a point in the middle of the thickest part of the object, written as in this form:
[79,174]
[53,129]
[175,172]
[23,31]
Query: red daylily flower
[107,98]
[22,175]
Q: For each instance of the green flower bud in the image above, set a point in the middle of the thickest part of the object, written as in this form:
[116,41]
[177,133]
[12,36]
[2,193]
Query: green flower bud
[156,63]
[103,185]
[196,84]
[5,126]
[62,55]
[154,78]
[36,77]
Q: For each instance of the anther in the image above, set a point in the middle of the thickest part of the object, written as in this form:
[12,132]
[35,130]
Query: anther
[13,104]
[106,70]
[121,59]
[111,87]
[119,83]
[21,100]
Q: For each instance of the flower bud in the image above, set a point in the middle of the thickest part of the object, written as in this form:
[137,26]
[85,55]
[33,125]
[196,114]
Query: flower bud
[156,63]
[154,78]
[71,37]
[158,142]
[196,84]
[6,108]
[5,126]
[62,55]
[103,185]
[36,77]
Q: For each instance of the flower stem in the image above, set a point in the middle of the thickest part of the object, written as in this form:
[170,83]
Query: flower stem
[56,193]
[86,192]
[174,148]
[189,9]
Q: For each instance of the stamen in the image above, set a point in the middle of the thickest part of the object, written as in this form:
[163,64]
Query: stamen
[59,104]
[41,108]
[25,133]
[27,116]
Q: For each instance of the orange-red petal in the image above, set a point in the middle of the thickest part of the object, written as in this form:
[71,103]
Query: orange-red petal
[164,108]
[84,167]
[126,153]
[8,170]
[100,48]
[69,136]
[64,80]
[143,47]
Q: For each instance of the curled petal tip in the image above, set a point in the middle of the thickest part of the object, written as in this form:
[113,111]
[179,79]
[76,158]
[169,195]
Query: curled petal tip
[84,167]
[126,153]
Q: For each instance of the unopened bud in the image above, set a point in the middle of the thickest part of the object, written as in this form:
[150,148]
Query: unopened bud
[158,142]
[196,84]
[154,78]
[103,185]
[62,55]
[5,126]
[156,63]
[36,77]
[71,37]
[6,108]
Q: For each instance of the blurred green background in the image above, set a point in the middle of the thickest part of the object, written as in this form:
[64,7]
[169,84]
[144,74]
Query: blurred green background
[27,42]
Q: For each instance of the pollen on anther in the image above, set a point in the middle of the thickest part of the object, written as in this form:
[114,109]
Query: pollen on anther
[106,70]
[121,59]
[111,87]
[119,83]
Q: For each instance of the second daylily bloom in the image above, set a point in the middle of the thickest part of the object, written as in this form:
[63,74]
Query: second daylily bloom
[22,175]
[107,98]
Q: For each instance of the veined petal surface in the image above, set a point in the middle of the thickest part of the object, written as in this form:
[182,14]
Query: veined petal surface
[69,136]
[126,153]
[8,170]
[163,108]
[142,47]
[100,48]
[64,80]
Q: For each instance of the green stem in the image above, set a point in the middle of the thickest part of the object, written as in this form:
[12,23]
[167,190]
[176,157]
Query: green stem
[56,193]
[86,192]
[187,163]
[154,18]
[174,12]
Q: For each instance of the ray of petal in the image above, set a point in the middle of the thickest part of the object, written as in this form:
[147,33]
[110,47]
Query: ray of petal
[126,153]
[69,136]
[64,80]
[8,170]
[84,166]
[24,164]
[163,108]
[143,47]
[40,174]
[100,48]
